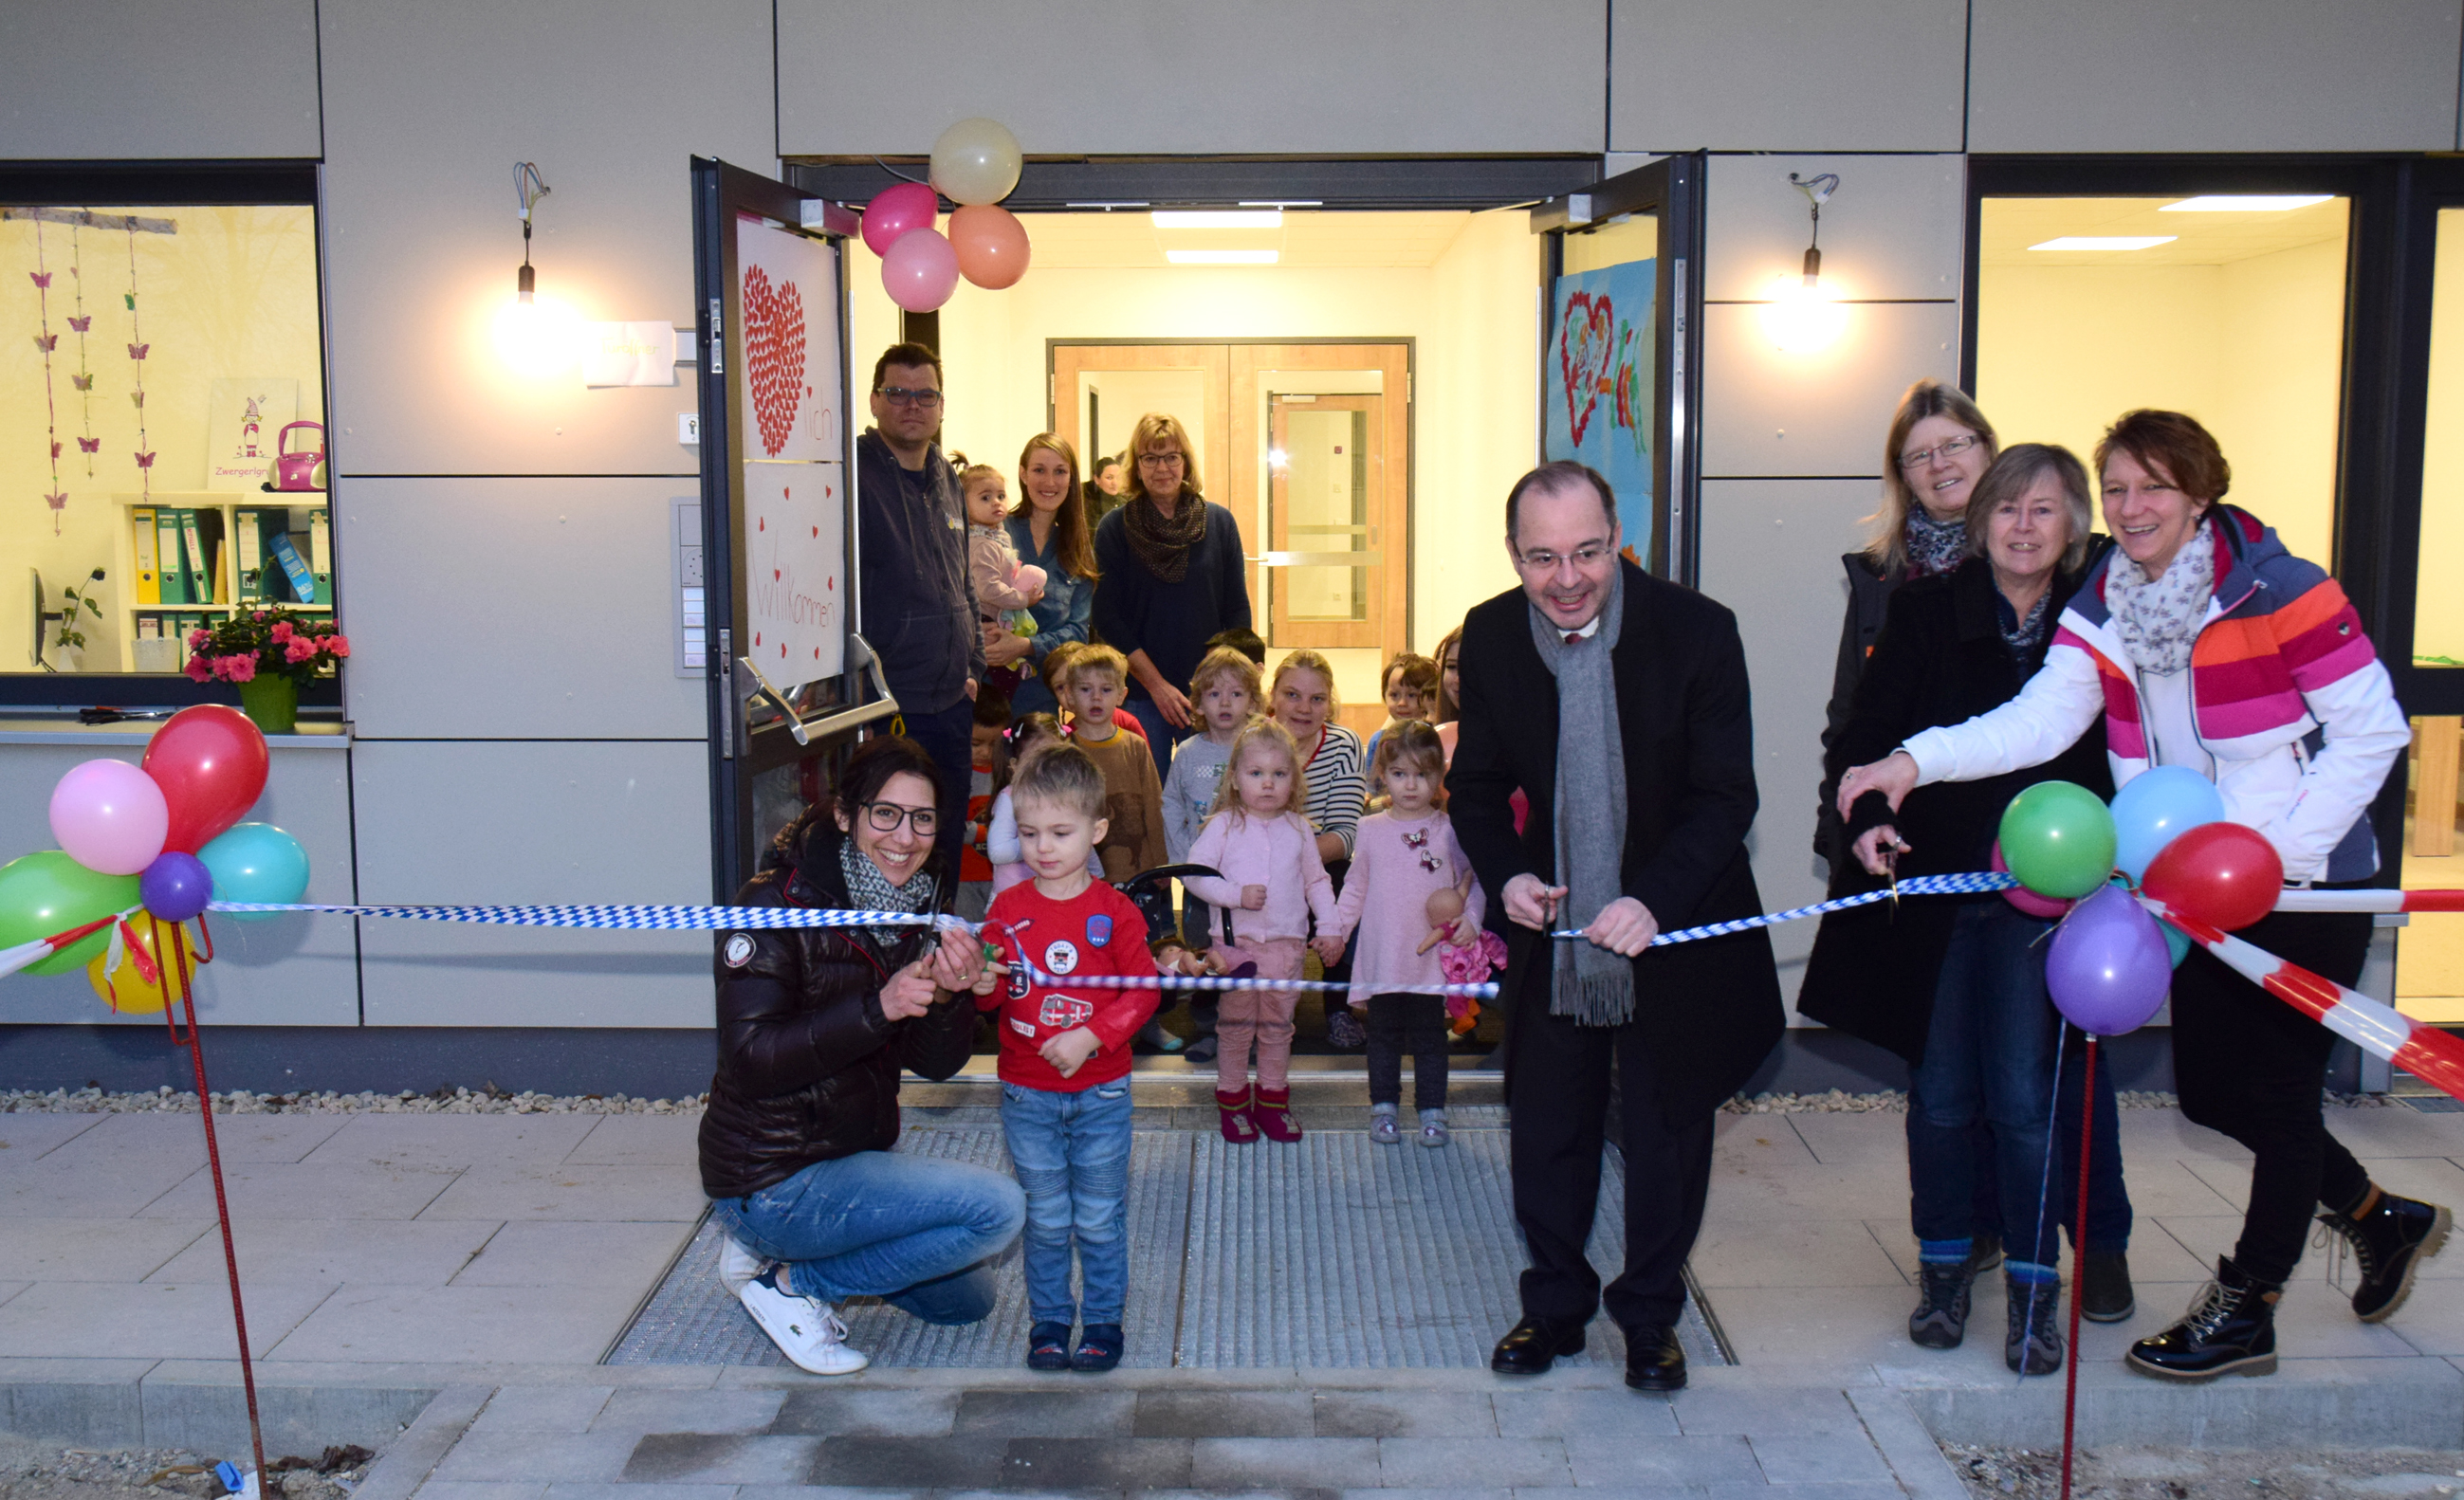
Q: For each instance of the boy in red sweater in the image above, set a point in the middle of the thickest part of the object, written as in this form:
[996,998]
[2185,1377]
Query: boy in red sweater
[1064,1057]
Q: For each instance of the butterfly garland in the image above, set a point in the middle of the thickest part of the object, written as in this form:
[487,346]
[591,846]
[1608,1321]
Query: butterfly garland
[79,322]
[137,352]
[46,340]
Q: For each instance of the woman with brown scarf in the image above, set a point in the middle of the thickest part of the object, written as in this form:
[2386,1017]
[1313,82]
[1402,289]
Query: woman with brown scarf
[1172,575]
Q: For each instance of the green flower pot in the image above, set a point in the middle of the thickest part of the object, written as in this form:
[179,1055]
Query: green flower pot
[271,700]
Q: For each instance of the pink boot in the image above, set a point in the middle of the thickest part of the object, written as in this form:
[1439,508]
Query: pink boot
[1274,1114]
[1238,1126]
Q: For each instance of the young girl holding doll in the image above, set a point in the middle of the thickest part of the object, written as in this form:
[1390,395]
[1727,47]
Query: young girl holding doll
[1273,882]
[1401,857]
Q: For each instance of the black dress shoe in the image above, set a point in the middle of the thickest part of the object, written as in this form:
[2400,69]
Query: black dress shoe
[1654,1362]
[1532,1345]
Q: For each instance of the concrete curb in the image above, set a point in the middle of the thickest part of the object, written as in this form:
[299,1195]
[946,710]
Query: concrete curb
[416,1453]
[201,1405]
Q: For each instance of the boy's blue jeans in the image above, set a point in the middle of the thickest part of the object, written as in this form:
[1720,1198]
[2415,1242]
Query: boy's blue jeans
[1990,1057]
[1072,1155]
[912,1230]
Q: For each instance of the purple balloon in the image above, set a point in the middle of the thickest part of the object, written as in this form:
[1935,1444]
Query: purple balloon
[2108,968]
[176,886]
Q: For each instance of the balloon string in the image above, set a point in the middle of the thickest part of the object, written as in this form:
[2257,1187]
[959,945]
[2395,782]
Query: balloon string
[901,176]
[2045,1182]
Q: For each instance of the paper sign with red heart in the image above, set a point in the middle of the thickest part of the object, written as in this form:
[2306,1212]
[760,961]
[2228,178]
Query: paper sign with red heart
[1583,354]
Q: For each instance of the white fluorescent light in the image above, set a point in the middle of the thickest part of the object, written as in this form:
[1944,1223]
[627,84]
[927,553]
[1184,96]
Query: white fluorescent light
[1223,257]
[1218,218]
[2245,203]
[2106,242]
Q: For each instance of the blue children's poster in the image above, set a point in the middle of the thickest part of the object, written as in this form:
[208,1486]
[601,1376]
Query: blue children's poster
[1598,370]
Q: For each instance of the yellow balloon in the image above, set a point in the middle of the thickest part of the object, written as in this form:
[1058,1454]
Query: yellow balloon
[976,161]
[126,991]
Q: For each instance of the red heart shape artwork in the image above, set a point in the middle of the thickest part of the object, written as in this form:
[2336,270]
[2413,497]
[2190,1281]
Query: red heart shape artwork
[774,356]
[1583,357]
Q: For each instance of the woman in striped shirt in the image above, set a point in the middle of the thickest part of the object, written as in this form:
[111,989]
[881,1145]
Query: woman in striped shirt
[1302,700]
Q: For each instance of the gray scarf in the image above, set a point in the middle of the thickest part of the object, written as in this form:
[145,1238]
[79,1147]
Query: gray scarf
[2158,619]
[871,890]
[1590,984]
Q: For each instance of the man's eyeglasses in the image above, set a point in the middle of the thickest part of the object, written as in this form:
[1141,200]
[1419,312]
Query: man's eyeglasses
[1949,448]
[1540,559]
[901,396]
[1159,460]
[884,817]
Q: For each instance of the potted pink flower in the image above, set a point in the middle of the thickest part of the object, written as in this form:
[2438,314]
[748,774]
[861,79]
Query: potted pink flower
[268,653]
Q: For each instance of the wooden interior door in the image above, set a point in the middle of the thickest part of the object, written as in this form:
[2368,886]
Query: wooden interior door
[1204,369]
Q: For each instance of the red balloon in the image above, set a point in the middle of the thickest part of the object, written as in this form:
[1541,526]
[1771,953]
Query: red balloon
[211,763]
[2225,874]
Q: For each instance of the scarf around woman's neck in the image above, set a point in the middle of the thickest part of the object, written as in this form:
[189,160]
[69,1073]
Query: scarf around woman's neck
[1934,546]
[2024,636]
[1589,983]
[869,890]
[1161,543]
[2158,619]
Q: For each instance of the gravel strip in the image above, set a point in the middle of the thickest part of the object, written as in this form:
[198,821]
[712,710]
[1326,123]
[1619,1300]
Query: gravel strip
[32,1469]
[2156,1473]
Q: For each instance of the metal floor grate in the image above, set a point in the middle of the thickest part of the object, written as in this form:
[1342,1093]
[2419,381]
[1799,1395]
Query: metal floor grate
[1335,1253]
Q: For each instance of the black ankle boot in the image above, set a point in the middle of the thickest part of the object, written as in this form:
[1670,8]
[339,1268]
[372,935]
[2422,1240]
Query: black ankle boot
[2390,1242]
[2231,1330]
[1941,1319]
[2032,1345]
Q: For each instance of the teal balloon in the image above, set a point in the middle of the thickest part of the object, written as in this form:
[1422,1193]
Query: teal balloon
[45,894]
[2057,838]
[2158,806]
[2176,939]
[256,863]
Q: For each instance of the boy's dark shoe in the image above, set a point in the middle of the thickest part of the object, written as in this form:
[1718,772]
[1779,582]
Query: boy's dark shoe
[2106,1296]
[1099,1348]
[1941,1319]
[1048,1346]
[2032,1343]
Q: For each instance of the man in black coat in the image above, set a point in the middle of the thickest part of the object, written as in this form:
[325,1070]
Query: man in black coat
[1630,693]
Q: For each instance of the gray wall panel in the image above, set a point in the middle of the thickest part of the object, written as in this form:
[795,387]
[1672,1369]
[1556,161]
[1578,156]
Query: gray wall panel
[2180,76]
[1767,412]
[107,79]
[570,579]
[1892,229]
[1784,75]
[1770,552]
[294,970]
[1139,76]
[523,823]
[431,105]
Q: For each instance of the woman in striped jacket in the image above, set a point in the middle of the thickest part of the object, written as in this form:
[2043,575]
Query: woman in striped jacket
[2204,644]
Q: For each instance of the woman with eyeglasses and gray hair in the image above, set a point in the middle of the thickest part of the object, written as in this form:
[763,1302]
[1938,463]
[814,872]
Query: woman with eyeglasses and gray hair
[1956,986]
[815,1027]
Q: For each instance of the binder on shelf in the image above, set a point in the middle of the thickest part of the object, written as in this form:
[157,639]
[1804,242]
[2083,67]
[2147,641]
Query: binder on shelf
[321,552]
[149,625]
[201,581]
[149,583]
[248,557]
[174,586]
[303,583]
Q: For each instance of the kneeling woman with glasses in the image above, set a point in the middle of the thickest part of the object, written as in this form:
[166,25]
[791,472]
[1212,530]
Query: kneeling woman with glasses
[815,1025]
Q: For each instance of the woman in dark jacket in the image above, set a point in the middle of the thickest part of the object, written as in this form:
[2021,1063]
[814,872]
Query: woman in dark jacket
[815,1025]
[1957,985]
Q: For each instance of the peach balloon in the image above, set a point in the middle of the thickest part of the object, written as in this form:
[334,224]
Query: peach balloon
[991,244]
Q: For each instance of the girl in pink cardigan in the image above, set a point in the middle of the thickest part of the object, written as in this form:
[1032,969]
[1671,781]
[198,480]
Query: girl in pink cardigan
[1272,883]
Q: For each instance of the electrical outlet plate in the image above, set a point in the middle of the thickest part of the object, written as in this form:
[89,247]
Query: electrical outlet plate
[689,428]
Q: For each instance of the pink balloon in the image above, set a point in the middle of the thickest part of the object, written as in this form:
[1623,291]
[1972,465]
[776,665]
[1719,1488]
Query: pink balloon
[920,271]
[2026,899]
[110,816]
[897,211]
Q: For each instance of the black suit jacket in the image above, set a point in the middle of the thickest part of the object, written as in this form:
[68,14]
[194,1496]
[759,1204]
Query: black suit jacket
[1710,1009]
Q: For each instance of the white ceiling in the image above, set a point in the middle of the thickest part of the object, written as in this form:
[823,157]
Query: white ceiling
[2009,226]
[1125,239]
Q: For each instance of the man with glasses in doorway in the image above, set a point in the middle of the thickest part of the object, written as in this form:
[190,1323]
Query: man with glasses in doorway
[915,604]
[1617,703]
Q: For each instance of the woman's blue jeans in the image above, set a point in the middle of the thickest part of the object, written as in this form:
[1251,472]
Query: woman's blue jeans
[1989,1057]
[1072,1155]
[915,1230]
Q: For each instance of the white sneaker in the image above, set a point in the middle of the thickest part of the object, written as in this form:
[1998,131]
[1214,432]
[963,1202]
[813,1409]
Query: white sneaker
[737,1265]
[806,1330]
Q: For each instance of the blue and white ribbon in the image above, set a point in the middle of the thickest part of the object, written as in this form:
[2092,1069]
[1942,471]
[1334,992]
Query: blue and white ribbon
[1923,885]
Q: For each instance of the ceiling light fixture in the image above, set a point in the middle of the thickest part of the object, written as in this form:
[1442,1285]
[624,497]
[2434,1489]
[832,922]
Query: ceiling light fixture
[2106,242]
[2245,203]
[1218,218]
[1223,257]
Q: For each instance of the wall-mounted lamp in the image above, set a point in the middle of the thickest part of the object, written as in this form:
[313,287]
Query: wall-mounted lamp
[535,338]
[528,189]
[1804,315]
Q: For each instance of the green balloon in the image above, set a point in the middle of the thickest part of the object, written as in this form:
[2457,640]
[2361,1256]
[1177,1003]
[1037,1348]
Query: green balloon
[46,893]
[2059,839]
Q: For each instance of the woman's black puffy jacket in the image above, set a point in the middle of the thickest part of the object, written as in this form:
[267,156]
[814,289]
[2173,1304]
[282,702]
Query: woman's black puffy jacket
[808,1065]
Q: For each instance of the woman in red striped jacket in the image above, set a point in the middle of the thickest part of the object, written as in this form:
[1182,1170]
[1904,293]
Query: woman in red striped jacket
[2204,644]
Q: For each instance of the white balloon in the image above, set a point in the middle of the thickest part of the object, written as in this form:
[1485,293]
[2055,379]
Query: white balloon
[976,161]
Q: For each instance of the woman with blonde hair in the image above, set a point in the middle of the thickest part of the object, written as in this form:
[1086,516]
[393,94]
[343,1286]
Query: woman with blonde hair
[1302,699]
[1172,575]
[1049,526]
